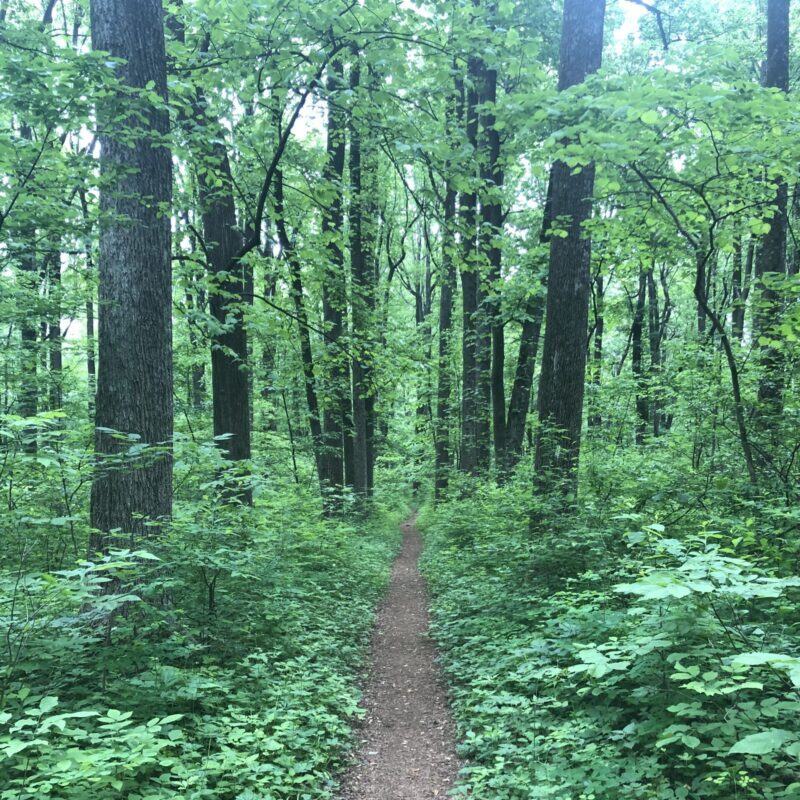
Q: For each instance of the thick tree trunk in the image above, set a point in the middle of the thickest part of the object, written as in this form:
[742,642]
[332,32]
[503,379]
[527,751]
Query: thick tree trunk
[230,385]
[771,259]
[359,269]
[134,382]
[334,303]
[564,355]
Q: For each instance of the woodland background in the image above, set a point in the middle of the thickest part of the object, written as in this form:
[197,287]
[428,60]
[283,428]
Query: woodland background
[273,270]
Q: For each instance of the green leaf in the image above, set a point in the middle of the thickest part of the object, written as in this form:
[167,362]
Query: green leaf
[759,744]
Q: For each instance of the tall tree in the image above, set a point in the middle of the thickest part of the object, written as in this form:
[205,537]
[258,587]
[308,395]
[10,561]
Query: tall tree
[491,231]
[362,292]
[335,412]
[520,400]
[134,382]
[230,384]
[564,354]
[447,290]
[771,259]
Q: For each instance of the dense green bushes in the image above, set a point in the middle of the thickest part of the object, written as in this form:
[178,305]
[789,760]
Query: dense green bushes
[226,666]
[611,656]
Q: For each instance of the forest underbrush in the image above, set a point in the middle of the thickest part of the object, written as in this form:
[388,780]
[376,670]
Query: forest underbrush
[643,647]
[224,664]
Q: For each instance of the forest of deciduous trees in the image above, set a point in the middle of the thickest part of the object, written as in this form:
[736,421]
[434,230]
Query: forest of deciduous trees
[273,271]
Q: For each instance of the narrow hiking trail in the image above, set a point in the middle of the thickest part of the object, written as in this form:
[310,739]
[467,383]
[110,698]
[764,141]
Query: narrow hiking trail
[408,744]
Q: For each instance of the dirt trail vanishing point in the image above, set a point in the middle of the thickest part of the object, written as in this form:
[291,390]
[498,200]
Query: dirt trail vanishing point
[408,745]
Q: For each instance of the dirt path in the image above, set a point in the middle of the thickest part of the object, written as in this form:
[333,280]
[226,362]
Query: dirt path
[407,738]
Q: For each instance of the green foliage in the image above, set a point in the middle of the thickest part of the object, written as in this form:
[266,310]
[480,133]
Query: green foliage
[605,656]
[223,661]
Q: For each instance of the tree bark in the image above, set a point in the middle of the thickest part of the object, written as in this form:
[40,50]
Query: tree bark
[334,300]
[361,287]
[564,355]
[771,258]
[134,382]
[230,386]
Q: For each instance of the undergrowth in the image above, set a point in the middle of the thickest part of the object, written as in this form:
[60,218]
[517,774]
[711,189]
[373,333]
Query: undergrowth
[225,666]
[636,649]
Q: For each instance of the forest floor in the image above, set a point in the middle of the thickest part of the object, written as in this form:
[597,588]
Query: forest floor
[408,741]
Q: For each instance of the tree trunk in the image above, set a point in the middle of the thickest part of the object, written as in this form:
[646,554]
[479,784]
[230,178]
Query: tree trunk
[491,230]
[55,355]
[91,370]
[306,353]
[520,401]
[134,382]
[655,337]
[334,414]
[359,270]
[268,355]
[564,355]
[470,282]
[230,386]
[447,288]
[642,416]
[771,259]
[596,371]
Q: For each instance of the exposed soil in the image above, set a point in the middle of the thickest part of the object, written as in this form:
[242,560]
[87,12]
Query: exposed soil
[408,745]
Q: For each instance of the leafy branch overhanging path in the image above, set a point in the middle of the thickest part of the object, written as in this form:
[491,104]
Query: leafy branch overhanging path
[407,749]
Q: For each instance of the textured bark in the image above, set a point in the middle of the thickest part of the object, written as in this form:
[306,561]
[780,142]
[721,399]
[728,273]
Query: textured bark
[134,382]
[447,288]
[230,385]
[561,384]
[335,410]
[771,259]
[361,288]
